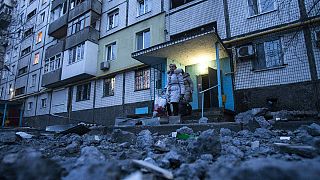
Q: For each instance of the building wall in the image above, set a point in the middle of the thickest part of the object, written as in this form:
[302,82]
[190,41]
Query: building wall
[296,67]
[316,50]
[59,101]
[241,23]
[133,11]
[126,40]
[194,14]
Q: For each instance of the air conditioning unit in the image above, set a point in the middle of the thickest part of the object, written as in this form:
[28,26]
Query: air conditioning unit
[246,52]
[105,65]
[317,34]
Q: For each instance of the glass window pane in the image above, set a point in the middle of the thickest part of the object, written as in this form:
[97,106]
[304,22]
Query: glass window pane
[146,39]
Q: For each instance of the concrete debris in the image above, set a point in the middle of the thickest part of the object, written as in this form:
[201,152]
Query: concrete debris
[203,120]
[253,153]
[174,119]
[119,136]
[159,171]
[144,139]
[185,130]
[263,123]
[150,121]
[24,135]
[248,116]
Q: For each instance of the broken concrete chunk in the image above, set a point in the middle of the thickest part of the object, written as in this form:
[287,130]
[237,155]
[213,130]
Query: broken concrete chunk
[144,139]
[248,116]
[79,129]
[24,135]
[185,130]
[314,129]
[203,120]
[255,145]
[207,143]
[119,136]
[90,155]
[263,133]
[155,169]
[8,137]
[263,123]
[225,132]
[301,150]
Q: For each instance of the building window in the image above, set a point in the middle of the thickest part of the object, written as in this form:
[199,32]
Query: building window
[83,92]
[31,14]
[22,70]
[28,32]
[33,80]
[78,24]
[44,102]
[39,37]
[269,54]
[111,51]
[74,3]
[260,6]
[52,63]
[142,79]
[26,51]
[30,104]
[108,87]
[2,90]
[20,91]
[44,1]
[143,39]
[144,6]
[10,90]
[59,11]
[76,54]
[177,3]
[36,59]
[113,19]
[42,17]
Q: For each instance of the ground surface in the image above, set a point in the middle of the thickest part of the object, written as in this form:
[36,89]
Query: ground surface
[211,154]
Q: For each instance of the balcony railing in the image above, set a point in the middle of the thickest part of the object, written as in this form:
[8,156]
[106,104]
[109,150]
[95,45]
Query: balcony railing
[58,28]
[84,7]
[87,34]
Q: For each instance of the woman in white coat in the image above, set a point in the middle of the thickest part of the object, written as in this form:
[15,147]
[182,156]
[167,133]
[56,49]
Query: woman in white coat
[175,89]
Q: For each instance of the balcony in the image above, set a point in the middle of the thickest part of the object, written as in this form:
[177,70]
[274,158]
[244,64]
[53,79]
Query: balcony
[55,49]
[83,69]
[5,16]
[84,7]
[52,79]
[56,3]
[58,28]
[87,34]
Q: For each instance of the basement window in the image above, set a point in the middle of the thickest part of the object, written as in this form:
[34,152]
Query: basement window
[142,79]
[108,87]
[83,92]
[269,55]
[177,3]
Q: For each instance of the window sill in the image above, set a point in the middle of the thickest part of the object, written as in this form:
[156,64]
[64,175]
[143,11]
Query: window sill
[104,96]
[110,29]
[137,90]
[270,68]
[140,15]
[250,17]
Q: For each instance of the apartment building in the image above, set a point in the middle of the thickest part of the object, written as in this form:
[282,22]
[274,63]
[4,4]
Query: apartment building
[93,61]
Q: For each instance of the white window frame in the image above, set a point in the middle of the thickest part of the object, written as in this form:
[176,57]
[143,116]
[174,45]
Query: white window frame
[114,15]
[113,51]
[275,6]
[146,7]
[52,63]
[143,39]
[33,80]
[76,53]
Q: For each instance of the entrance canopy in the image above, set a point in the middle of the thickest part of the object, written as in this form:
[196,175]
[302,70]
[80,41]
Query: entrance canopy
[188,50]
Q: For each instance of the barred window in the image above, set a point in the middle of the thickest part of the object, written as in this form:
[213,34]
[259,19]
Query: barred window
[269,54]
[108,87]
[142,79]
[83,92]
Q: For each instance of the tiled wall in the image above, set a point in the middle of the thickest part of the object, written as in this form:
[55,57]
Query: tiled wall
[296,70]
[240,22]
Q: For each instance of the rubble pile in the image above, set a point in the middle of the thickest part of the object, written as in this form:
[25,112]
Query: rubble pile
[264,153]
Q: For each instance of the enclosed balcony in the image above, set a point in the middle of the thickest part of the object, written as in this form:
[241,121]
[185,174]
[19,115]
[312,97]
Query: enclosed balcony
[59,23]
[86,34]
[81,7]
[80,62]
[5,15]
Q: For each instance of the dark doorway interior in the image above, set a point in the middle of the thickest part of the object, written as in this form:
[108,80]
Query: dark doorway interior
[204,82]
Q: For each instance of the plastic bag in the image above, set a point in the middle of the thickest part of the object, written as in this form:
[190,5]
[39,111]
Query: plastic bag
[159,106]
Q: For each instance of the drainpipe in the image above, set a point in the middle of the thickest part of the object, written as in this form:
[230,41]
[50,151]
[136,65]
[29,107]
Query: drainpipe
[94,100]
[4,114]
[218,75]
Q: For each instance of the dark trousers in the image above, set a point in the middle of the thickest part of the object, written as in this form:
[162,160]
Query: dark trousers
[175,109]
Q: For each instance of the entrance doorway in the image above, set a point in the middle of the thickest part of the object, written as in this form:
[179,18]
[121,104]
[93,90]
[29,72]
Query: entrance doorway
[204,82]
